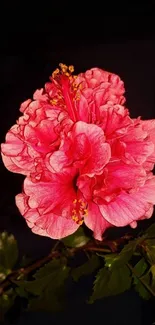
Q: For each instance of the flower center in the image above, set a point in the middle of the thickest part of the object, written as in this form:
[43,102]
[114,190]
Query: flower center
[79,211]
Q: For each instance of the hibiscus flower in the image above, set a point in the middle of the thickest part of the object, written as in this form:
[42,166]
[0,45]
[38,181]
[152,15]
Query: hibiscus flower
[86,160]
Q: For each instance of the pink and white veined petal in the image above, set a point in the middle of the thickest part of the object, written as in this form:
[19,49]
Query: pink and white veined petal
[95,221]
[13,146]
[55,195]
[129,207]
[100,150]
[49,225]
[120,175]
[138,151]
[149,127]
[58,162]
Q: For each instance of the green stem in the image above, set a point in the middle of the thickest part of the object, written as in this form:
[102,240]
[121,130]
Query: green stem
[141,280]
[54,253]
[98,249]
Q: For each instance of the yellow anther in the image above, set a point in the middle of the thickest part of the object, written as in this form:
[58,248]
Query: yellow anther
[78,97]
[55,73]
[53,101]
[75,201]
[63,67]
[80,222]
[74,211]
[79,200]
[71,68]
[85,212]
[75,218]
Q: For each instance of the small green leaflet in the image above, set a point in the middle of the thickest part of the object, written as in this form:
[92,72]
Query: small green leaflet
[140,267]
[52,274]
[117,260]
[140,272]
[87,268]
[8,254]
[78,239]
[111,282]
[150,250]
[6,302]
[152,269]
[48,286]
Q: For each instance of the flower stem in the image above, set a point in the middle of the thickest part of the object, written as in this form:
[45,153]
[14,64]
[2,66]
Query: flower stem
[53,254]
[98,249]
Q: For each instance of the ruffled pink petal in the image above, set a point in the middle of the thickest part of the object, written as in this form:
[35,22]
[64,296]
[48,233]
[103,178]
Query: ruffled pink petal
[122,176]
[50,225]
[100,151]
[54,195]
[24,105]
[83,109]
[13,146]
[95,221]
[15,155]
[18,165]
[41,137]
[40,95]
[115,120]
[11,166]
[85,185]
[86,150]
[129,207]
[138,152]
[149,126]
[58,162]
[148,213]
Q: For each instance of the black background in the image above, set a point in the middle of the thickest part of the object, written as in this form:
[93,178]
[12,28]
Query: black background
[33,42]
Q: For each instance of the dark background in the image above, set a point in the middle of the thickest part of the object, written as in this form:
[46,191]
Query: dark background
[33,43]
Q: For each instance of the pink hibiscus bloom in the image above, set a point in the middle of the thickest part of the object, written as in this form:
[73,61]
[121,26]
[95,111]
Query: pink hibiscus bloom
[89,184]
[85,159]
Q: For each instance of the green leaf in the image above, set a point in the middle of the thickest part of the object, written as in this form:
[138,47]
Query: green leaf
[87,268]
[6,302]
[52,274]
[8,254]
[140,271]
[140,267]
[140,287]
[20,291]
[109,259]
[152,269]
[111,282]
[117,260]
[150,250]
[48,286]
[78,239]
[150,232]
